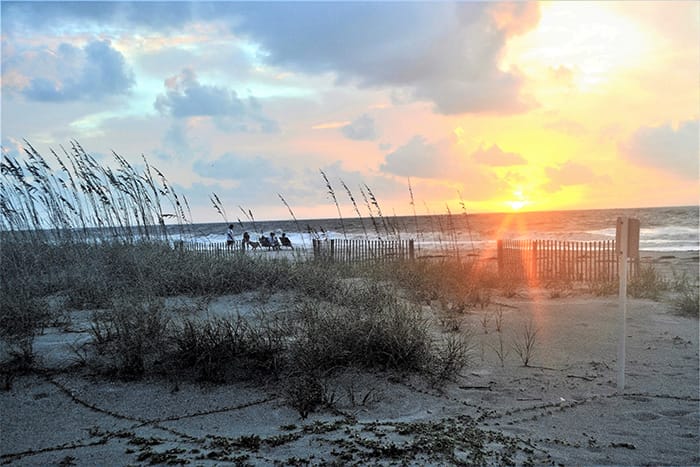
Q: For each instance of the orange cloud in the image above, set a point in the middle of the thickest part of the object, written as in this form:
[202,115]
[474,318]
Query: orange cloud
[330,125]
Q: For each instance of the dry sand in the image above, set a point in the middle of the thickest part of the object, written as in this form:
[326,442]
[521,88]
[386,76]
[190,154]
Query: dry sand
[563,409]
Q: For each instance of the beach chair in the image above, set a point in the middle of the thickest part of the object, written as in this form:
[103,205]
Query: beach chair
[285,241]
[265,242]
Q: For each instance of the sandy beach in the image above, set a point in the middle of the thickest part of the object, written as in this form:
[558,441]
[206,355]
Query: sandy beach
[357,233]
[564,408]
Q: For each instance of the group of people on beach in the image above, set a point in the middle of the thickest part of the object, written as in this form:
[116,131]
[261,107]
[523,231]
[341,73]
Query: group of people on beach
[271,243]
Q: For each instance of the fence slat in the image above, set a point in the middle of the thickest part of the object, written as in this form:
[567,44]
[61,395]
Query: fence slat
[347,250]
[558,260]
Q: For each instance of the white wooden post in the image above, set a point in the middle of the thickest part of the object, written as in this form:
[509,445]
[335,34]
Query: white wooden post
[622,253]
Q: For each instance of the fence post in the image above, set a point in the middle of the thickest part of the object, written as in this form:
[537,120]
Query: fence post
[499,255]
[332,249]
[533,260]
[411,251]
[622,252]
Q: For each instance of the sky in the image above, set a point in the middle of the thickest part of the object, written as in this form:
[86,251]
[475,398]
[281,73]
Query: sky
[436,106]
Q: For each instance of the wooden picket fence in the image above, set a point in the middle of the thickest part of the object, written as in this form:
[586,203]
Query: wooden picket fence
[219,249]
[363,250]
[541,260]
[547,260]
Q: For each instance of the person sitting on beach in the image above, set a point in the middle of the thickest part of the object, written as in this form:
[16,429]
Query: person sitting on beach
[285,241]
[274,242]
[246,240]
[229,236]
[265,242]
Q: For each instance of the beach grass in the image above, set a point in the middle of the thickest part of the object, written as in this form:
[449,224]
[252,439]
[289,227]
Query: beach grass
[369,316]
[685,297]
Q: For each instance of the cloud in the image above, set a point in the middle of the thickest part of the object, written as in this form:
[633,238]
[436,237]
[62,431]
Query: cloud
[94,72]
[230,166]
[568,174]
[361,129]
[496,157]
[185,97]
[515,18]
[330,125]
[21,17]
[444,162]
[417,158]
[493,92]
[447,53]
[664,147]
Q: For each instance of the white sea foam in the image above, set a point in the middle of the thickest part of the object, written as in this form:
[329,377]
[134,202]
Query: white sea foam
[662,229]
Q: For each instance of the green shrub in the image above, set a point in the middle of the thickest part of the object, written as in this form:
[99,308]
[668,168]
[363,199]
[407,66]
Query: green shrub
[304,393]
[89,293]
[220,349]
[131,337]
[22,316]
[312,279]
[329,336]
[647,283]
[450,357]
[603,288]
[464,284]
[686,298]
[687,303]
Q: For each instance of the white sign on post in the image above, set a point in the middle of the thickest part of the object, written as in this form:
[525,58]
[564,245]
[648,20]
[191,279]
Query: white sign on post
[627,246]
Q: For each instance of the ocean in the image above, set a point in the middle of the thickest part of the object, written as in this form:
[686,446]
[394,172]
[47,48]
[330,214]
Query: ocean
[662,229]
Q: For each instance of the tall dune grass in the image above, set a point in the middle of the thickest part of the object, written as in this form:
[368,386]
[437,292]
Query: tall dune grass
[84,200]
[95,237]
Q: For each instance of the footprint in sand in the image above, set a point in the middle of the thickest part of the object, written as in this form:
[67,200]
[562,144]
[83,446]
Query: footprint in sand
[645,416]
[674,374]
[674,413]
[637,398]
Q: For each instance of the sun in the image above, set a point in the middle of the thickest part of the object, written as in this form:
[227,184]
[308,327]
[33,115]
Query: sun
[517,205]
[519,202]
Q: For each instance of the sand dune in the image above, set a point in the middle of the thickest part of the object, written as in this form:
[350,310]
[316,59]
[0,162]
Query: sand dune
[564,408]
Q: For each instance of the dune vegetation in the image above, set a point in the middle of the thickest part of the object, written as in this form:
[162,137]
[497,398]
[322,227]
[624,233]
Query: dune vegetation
[88,237]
